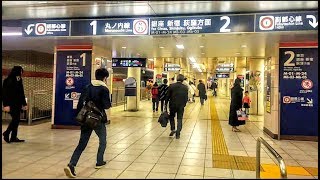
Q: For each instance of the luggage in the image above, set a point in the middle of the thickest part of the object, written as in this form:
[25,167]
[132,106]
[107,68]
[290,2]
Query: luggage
[163,119]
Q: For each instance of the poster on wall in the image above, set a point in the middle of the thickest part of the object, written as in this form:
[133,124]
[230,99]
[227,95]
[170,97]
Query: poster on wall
[268,87]
[73,73]
[298,85]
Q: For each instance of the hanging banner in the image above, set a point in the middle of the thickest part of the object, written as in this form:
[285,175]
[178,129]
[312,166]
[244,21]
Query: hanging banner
[298,85]
[73,73]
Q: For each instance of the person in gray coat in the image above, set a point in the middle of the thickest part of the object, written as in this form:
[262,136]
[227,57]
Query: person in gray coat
[202,92]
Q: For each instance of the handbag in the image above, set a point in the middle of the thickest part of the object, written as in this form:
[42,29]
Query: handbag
[242,115]
[163,119]
[89,114]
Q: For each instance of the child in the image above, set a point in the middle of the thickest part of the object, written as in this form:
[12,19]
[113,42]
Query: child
[246,102]
[155,97]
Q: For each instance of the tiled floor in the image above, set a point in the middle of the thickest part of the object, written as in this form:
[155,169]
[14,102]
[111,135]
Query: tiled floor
[138,147]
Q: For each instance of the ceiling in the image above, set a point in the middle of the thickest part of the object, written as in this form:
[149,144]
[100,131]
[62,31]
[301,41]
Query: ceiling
[74,9]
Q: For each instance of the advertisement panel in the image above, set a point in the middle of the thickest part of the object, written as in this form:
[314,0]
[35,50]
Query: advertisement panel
[298,85]
[73,73]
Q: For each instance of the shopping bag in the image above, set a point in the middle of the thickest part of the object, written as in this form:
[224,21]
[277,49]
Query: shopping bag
[242,115]
[164,119]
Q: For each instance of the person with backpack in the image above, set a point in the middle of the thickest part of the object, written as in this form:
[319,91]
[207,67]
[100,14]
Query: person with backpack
[163,90]
[214,88]
[155,97]
[98,93]
[14,101]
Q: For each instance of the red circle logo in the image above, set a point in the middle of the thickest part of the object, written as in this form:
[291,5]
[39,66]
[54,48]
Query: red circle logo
[266,22]
[69,81]
[307,84]
[286,99]
[140,26]
[41,29]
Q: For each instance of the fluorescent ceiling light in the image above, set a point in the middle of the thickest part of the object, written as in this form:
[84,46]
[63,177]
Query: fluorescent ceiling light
[12,34]
[201,46]
[202,53]
[150,59]
[161,47]
[243,46]
[124,47]
[237,53]
[180,46]
[192,59]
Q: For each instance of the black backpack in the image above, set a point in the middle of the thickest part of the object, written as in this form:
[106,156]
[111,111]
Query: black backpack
[89,114]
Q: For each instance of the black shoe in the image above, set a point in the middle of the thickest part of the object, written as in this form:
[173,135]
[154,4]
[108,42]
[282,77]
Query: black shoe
[17,140]
[177,136]
[98,166]
[70,171]
[172,133]
[108,122]
[6,137]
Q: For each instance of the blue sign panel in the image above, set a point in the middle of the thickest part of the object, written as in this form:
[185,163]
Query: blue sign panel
[223,75]
[298,85]
[297,21]
[45,28]
[202,24]
[129,62]
[73,73]
[110,27]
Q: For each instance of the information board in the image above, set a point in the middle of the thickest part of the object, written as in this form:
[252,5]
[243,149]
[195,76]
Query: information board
[222,75]
[202,24]
[129,62]
[291,21]
[298,85]
[46,28]
[110,27]
[73,73]
[171,67]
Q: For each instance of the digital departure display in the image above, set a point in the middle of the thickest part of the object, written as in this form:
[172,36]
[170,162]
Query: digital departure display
[129,62]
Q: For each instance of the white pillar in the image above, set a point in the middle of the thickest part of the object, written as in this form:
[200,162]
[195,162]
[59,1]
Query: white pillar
[133,102]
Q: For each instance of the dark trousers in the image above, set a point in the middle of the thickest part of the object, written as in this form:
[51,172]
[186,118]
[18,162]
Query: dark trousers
[155,104]
[101,132]
[214,92]
[162,104]
[173,111]
[201,100]
[14,124]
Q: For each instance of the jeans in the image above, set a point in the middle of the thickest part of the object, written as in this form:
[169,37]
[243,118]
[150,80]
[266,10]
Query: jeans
[173,111]
[162,104]
[101,132]
[155,104]
[201,101]
[14,124]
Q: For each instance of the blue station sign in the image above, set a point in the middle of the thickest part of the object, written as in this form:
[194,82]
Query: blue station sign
[259,22]
[129,62]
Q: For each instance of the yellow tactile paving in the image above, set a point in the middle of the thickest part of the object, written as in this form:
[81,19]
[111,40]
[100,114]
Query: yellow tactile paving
[222,159]
[313,171]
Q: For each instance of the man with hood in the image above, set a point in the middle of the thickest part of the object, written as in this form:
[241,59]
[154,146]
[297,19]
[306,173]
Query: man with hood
[97,92]
[14,101]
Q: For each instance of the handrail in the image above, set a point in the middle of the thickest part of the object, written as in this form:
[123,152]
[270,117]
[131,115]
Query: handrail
[283,169]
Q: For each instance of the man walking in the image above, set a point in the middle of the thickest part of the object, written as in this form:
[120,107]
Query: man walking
[202,91]
[177,97]
[163,90]
[14,101]
[97,92]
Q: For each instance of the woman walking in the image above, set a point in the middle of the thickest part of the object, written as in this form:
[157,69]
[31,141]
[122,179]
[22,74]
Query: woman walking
[236,104]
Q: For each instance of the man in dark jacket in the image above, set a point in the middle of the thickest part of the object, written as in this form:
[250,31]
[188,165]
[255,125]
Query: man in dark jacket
[163,90]
[236,104]
[98,92]
[14,101]
[202,91]
[177,97]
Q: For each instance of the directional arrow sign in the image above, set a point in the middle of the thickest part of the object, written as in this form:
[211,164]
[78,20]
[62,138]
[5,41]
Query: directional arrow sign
[309,101]
[29,30]
[314,22]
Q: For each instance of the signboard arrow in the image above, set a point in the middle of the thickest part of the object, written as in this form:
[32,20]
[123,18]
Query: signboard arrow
[29,29]
[310,101]
[314,22]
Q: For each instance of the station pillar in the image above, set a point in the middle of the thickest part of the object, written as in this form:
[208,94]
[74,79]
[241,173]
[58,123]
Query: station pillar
[256,90]
[133,102]
[158,68]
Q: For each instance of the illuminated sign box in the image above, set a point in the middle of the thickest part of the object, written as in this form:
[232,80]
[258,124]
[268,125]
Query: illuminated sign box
[223,75]
[129,62]
[171,67]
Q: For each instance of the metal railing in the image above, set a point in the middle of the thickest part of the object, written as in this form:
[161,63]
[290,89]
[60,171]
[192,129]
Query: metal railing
[39,105]
[283,169]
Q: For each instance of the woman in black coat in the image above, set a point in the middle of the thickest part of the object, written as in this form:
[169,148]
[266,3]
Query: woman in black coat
[236,104]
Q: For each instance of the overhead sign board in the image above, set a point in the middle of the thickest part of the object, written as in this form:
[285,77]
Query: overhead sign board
[45,28]
[259,22]
[202,24]
[129,62]
[291,21]
[225,68]
[110,27]
[222,75]
[171,67]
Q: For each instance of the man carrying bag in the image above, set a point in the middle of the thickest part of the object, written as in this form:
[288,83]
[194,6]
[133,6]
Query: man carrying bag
[96,95]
